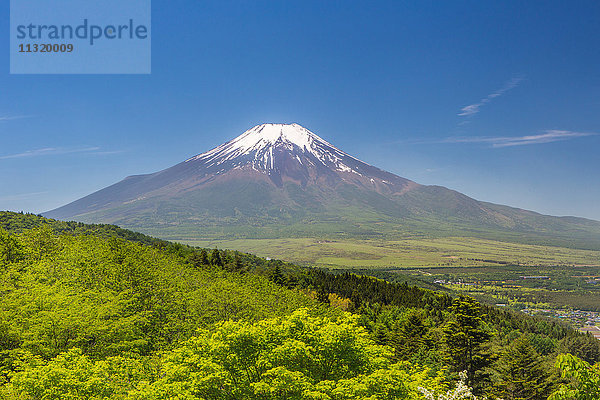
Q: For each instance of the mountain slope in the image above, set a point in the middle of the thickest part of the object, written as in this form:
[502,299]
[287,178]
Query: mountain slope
[279,180]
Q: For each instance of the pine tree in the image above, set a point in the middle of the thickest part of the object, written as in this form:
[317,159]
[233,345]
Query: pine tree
[411,336]
[356,300]
[199,259]
[291,282]
[204,257]
[380,335]
[236,265]
[323,296]
[520,373]
[194,259]
[464,338]
[215,258]
[276,276]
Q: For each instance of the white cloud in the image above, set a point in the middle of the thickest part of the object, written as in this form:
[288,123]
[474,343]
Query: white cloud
[50,151]
[473,109]
[11,117]
[108,153]
[509,141]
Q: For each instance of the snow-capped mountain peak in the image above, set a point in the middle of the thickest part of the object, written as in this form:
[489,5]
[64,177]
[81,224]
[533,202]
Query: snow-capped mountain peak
[270,134]
[265,136]
[289,152]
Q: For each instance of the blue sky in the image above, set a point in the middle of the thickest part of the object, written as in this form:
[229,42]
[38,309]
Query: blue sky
[498,100]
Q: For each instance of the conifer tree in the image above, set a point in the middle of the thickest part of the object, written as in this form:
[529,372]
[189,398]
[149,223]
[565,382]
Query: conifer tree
[199,259]
[215,258]
[520,373]
[276,276]
[237,263]
[411,336]
[464,338]
[323,296]
[381,335]
[204,257]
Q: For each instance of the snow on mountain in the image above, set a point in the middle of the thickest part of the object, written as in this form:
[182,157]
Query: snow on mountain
[256,147]
[289,153]
[272,154]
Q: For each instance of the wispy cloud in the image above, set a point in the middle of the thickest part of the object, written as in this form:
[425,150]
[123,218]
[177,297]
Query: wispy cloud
[22,196]
[509,141]
[49,151]
[108,153]
[472,109]
[11,117]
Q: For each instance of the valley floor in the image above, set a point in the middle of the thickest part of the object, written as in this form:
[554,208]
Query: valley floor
[407,253]
[519,275]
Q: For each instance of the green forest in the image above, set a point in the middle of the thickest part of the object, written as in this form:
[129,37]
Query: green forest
[99,312]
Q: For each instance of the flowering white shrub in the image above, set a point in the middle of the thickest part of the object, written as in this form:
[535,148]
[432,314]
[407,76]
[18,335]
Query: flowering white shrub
[460,392]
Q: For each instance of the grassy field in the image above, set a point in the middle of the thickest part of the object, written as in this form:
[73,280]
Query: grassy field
[490,270]
[408,253]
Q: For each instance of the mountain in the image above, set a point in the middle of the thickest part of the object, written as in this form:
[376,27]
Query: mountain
[279,180]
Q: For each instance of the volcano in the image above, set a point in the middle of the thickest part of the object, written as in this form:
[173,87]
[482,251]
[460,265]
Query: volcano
[282,180]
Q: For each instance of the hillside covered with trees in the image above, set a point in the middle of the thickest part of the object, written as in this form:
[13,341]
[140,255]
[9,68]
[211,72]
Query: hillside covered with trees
[97,312]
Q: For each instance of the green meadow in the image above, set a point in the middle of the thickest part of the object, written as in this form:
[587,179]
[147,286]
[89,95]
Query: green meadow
[495,268]
[407,253]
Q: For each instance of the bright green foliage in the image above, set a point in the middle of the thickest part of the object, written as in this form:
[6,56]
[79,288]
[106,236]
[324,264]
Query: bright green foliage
[520,373]
[297,357]
[128,305]
[465,336]
[109,296]
[584,379]
[73,375]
